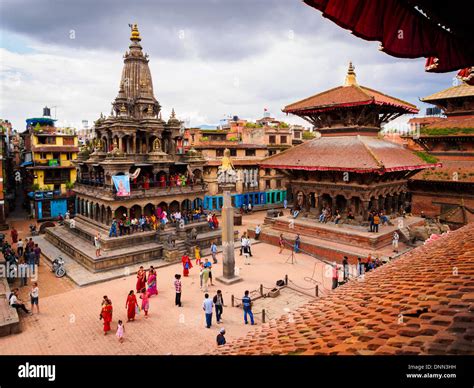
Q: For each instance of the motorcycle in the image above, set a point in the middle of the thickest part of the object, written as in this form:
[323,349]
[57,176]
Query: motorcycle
[58,267]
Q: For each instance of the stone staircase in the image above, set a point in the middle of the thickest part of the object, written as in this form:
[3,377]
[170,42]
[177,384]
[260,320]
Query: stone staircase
[117,252]
[405,235]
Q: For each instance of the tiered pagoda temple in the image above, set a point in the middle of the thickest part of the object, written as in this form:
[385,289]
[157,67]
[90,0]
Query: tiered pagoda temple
[135,140]
[348,167]
[448,192]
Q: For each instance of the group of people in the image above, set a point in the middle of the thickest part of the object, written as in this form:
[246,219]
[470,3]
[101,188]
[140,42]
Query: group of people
[21,255]
[375,219]
[205,268]
[245,248]
[138,300]
[363,266]
[15,301]
[145,288]
[127,225]
[186,215]
[212,221]
[246,208]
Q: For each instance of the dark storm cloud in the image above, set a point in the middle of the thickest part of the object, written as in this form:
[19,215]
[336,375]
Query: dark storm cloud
[212,28]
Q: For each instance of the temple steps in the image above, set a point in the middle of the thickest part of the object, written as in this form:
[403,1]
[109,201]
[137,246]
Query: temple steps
[82,250]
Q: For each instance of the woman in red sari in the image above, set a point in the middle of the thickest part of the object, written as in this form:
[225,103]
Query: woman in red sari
[106,314]
[141,279]
[215,221]
[131,306]
[187,265]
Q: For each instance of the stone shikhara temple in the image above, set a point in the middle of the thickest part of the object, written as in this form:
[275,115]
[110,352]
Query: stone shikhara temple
[348,167]
[135,140]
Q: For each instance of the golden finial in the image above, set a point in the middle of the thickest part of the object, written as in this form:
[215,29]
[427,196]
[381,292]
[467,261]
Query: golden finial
[135,36]
[173,115]
[351,76]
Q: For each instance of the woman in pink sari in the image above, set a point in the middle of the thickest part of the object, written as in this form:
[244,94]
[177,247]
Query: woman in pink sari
[152,290]
[131,305]
[145,302]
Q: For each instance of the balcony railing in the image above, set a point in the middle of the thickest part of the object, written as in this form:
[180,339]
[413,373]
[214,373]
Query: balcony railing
[46,163]
[142,189]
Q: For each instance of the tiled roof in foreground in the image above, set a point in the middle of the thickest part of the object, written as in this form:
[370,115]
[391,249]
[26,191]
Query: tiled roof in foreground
[432,287]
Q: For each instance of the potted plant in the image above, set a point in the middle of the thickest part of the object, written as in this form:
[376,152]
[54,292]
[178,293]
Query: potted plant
[69,187]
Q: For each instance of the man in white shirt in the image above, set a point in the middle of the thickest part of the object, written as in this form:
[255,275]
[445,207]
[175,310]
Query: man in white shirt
[258,230]
[16,302]
[208,306]
[395,239]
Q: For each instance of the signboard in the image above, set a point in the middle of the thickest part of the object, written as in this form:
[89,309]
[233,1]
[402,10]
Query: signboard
[53,162]
[122,185]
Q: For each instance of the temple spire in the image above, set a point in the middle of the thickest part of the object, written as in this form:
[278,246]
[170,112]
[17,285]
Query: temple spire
[351,76]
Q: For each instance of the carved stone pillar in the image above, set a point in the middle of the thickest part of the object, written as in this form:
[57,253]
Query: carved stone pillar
[364,207]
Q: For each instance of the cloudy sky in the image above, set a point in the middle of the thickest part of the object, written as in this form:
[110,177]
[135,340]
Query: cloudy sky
[209,59]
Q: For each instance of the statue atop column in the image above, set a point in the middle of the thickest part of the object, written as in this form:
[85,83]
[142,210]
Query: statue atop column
[226,173]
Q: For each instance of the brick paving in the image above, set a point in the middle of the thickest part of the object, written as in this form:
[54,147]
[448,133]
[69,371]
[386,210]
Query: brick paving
[69,324]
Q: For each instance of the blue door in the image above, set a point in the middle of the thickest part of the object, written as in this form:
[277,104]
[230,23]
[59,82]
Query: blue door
[58,207]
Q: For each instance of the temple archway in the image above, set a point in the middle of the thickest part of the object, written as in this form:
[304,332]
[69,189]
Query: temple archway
[163,206]
[120,211]
[108,218]
[102,214]
[149,209]
[186,205]
[197,203]
[341,203]
[96,212]
[174,206]
[135,211]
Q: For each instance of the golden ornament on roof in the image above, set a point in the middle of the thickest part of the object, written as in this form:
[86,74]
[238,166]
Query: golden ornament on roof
[135,33]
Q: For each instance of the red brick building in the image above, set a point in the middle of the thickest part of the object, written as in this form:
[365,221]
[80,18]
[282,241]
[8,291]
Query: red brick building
[448,192]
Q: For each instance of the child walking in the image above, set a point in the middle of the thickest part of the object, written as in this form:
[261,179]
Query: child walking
[120,331]
[197,255]
[145,302]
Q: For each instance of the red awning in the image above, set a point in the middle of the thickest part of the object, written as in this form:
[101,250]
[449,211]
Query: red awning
[467,75]
[402,30]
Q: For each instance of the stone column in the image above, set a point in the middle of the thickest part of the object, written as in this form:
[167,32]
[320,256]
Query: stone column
[228,266]
[365,209]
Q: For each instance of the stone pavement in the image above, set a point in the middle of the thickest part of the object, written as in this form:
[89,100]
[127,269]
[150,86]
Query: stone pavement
[288,300]
[69,324]
[83,277]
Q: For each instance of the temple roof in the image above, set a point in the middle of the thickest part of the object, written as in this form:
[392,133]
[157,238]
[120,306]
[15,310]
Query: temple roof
[136,85]
[420,304]
[462,90]
[347,153]
[451,126]
[451,171]
[351,94]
